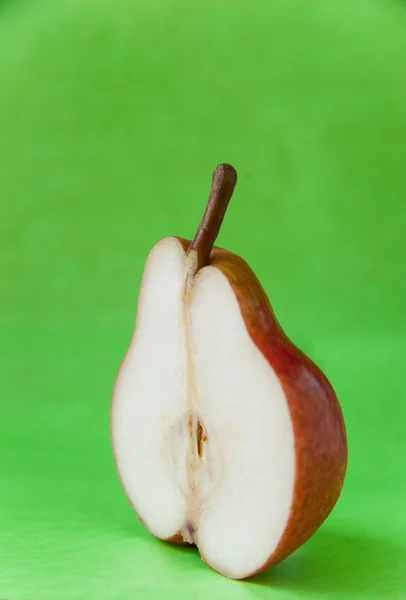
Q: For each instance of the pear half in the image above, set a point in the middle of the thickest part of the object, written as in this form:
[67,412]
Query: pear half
[225,435]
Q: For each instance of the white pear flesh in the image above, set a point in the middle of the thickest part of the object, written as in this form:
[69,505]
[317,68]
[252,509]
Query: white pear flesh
[192,363]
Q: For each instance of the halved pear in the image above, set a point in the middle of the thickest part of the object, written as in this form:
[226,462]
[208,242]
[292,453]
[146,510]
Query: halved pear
[225,435]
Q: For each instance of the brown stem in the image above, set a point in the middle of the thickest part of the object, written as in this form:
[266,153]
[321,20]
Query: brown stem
[222,187]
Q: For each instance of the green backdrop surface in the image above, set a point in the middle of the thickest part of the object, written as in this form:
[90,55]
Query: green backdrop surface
[112,118]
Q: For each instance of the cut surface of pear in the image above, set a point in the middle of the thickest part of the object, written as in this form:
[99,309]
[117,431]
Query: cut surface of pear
[225,435]
[202,433]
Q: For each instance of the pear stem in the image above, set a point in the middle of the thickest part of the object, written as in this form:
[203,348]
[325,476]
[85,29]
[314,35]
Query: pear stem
[222,187]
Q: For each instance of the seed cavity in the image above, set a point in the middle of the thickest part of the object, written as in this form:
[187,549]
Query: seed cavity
[199,438]
[197,433]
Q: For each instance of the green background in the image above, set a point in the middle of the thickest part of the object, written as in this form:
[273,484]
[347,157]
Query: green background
[112,119]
